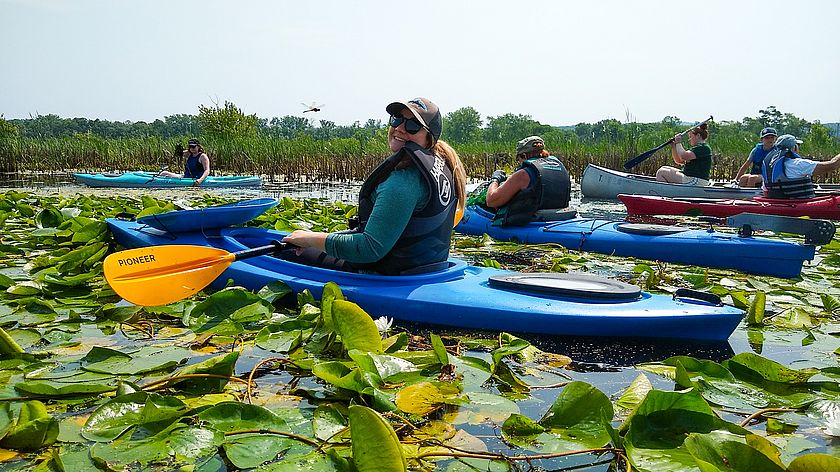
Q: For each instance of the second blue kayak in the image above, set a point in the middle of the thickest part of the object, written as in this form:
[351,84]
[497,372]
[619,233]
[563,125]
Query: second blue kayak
[705,248]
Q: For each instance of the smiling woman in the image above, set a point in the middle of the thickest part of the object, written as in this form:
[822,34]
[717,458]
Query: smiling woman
[407,206]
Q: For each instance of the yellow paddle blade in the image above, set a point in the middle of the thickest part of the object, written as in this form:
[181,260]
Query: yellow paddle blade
[160,275]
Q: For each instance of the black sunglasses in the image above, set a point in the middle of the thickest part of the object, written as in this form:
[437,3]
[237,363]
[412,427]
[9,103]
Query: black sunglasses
[412,126]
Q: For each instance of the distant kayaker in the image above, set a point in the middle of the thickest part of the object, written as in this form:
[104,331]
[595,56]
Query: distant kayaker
[696,162]
[540,181]
[197,166]
[756,158]
[407,205]
[787,175]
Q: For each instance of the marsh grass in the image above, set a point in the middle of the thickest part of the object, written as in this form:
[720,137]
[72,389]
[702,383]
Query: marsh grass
[340,159]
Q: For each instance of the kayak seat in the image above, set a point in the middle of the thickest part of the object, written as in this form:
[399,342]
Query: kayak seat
[569,285]
[649,229]
[426,268]
[555,214]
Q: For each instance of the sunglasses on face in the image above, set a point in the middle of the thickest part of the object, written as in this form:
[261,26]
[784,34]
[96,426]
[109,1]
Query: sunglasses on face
[412,126]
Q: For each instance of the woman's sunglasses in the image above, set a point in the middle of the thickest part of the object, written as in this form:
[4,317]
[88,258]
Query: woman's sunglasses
[412,126]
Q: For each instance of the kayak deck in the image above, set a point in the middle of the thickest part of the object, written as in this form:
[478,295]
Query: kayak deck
[823,207]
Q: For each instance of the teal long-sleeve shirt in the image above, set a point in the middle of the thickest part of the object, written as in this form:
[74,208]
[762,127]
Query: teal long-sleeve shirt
[395,199]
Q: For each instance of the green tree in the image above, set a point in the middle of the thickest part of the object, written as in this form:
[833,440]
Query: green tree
[7,129]
[510,128]
[462,126]
[227,122]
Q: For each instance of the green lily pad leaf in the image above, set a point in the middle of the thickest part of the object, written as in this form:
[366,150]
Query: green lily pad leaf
[579,414]
[375,445]
[356,328]
[339,375]
[247,451]
[275,291]
[34,429]
[755,314]
[225,312]
[330,293]
[475,371]
[830,304]
[753,367]
[395,343]
[715,452]
[439,349]
[328,421]
[113,418]
[483,407]
[46,232]
[48,217]
[795,318]
[228,417]
[73,457]
[90,232]
[6,421]
[385,367]
[6,281]
[67,280]
[520,425]
[775,426]
[420,398]
[663,419]
[814,463]
[175,447]
[24,289]
[147,359]
[276,339]
[634,393]
[50,388]
[223,365]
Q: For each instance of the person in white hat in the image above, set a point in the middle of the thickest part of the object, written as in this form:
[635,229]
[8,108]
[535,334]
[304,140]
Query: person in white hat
[787,175]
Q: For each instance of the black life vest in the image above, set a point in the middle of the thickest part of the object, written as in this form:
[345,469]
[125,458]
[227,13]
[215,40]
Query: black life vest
[553,189]
[425,239]
[193,169]
[776,181]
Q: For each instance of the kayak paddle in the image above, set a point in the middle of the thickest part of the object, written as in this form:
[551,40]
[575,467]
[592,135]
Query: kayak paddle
[641,157]
[160,275]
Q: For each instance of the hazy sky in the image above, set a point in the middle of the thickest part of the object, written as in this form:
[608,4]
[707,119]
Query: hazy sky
[561,62]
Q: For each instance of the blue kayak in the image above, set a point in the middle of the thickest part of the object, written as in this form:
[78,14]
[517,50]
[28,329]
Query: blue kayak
[705,248]
[153,180]
[464,296]
[201,219]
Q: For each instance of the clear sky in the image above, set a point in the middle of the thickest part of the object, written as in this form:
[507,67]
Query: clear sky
[561,62]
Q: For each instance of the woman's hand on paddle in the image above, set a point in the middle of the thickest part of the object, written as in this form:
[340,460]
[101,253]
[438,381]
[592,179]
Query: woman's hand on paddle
[303,239]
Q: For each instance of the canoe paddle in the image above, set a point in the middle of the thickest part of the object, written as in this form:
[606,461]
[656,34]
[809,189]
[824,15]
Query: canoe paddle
[160,275]
[641,157]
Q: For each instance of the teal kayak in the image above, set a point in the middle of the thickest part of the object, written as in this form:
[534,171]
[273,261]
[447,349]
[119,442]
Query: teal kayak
[458,295]
[141,179]
[201,219]
[705,248]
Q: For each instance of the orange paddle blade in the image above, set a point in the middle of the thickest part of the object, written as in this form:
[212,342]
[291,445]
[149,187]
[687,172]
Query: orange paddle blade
[160,275]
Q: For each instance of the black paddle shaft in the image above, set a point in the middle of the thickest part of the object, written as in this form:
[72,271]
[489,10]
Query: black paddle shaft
[643,156]
[273,248]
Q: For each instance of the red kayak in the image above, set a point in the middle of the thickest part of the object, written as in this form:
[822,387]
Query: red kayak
[824,207]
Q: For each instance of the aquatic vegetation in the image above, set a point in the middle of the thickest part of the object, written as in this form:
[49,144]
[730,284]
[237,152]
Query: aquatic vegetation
[273,380]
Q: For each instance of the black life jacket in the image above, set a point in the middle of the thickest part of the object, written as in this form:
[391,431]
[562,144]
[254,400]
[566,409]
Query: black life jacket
[553,189]
[193,168]
[776,181]
[425,239]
